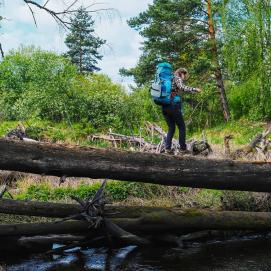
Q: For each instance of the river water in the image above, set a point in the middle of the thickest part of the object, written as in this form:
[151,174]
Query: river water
[246,254]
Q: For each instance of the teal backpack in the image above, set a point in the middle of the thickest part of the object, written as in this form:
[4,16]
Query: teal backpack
[162,85]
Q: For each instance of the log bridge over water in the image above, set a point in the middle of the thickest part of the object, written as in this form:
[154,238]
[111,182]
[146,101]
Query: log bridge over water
[57,160]
[187,171]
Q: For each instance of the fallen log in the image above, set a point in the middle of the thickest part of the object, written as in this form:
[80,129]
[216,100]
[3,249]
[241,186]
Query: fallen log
[35,208]
[50,239]
[30,244]
[33,229]
[61,210]
[252,145]
[166,221]
[42,158]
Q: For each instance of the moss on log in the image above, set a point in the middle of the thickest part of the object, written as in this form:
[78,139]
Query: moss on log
[61,210]
[164,220]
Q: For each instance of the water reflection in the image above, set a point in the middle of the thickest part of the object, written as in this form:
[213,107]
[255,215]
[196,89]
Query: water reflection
[240,255]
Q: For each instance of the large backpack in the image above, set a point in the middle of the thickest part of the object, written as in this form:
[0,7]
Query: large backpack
[162,85]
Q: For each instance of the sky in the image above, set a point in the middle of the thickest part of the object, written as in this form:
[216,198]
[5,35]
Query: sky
[123,43]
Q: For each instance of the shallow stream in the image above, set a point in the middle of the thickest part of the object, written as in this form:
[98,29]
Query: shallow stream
[246,254]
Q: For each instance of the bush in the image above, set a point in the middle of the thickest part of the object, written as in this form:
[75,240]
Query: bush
[37,84]
[248,99]
[246,201]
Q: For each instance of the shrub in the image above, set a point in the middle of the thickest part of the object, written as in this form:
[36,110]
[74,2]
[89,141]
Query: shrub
[37,84]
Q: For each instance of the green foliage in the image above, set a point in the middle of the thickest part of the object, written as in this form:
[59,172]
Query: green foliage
[202,110]
[104,100]
[243,99]
[82,43]
[42,85]
[5,126]
[247,58]
[242,131]
[162,25]
[243,40]
[35,84]
[140,108]
[185,42]
[208,198]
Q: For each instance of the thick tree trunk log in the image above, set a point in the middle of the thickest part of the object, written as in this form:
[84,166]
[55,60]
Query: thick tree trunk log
[32,229]
[61,210]
[50,239]
[57,160]
[174,220]
[35,208]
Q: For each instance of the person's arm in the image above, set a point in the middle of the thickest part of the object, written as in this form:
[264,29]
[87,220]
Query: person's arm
[182,87]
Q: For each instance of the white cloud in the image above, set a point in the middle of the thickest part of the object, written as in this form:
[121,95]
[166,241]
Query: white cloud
[123,42]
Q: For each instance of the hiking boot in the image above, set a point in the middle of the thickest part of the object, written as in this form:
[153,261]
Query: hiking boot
[168,151]
[183,151]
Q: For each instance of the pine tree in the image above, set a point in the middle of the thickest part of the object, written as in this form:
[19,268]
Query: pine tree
[171,33]
[1,49]
[82,43]
[183,33]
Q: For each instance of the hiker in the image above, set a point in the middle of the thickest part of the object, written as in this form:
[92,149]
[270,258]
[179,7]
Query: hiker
[173,113]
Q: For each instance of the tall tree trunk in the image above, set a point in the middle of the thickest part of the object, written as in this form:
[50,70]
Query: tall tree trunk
[218,72]
[81,61]
[1,51]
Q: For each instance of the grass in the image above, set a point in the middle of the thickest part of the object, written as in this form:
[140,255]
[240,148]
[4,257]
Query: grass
[242,131]
[116,191]
[7,125]
[14,219]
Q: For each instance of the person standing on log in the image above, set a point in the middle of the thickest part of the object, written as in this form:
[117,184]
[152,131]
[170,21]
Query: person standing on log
[173,112]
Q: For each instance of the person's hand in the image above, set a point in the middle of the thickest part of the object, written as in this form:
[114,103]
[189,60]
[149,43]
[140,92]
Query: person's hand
[199,89]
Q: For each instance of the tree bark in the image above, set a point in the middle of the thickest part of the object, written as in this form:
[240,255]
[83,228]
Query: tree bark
[218,72]
[1,51]
[50,239]
[252,145]
[171,221]
[36,208]
[32,229]
[61,210]
[186,171]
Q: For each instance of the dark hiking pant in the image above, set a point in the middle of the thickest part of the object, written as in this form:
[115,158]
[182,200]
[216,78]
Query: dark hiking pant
[173,116]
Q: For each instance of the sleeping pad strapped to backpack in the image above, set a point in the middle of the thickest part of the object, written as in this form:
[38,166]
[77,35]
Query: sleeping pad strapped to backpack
[162,85]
